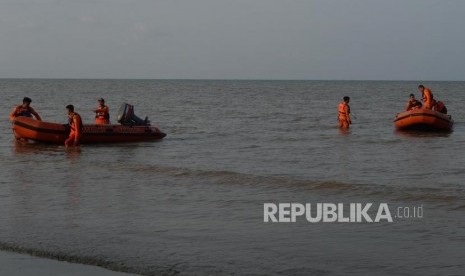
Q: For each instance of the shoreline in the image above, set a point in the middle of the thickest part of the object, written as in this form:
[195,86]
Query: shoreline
[24,264]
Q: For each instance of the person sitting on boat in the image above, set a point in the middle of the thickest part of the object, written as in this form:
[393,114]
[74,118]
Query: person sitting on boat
[24,110]
[344,113]
[441,107]
[413,103]
[75,124]
[427,97]
[102,113]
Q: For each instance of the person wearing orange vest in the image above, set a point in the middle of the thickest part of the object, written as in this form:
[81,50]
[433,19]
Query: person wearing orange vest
[102,113]
[75,125]
[344,113]
[413,103]
[24,110]
[427,97]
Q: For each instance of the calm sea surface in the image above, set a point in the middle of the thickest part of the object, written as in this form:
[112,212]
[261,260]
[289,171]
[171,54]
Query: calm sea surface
[192,204]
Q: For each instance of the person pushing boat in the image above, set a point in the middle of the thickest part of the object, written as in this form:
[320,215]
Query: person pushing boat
[75,124]
[344,113]
[413,103]
[102,113]
[24,110]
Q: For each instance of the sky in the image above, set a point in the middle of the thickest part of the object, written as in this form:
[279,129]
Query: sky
[233,39]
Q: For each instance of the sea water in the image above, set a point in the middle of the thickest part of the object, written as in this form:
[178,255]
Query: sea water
[193,203]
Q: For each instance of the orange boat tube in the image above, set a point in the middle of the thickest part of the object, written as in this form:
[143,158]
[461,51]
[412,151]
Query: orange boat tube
[423,119]
[28,128]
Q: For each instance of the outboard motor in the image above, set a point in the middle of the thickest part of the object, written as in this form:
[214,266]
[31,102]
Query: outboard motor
[127,117]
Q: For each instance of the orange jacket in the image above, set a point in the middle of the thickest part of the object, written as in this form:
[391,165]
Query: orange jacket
[102,115]
[344,111]
[75,123]
[102,112]
[428,98]
[413,104]
[28,111]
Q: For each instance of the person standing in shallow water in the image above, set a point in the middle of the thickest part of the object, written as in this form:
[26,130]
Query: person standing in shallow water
[24,110]
[344,113]
[75,124]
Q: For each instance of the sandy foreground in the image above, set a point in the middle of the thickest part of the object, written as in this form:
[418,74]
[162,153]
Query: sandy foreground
[14,264]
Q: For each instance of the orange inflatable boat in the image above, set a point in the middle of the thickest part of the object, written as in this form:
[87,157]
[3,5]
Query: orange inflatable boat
[28,128]
[131,129]
[423,119]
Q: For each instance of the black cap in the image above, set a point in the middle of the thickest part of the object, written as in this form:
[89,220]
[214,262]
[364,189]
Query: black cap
[27,100]
[411,95]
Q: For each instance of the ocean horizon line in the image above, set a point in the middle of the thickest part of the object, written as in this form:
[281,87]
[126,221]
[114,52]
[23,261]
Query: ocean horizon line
[232,79]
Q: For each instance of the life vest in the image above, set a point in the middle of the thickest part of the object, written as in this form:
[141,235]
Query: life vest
[428,99]
[342,110]
[71,123]
[414,104]
[23,111]
[417,103]
[428,94]
[102,113]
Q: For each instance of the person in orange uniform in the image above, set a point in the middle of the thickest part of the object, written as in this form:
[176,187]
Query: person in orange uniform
[344,113]
[24,110]
[75,124]
[413,103]
[102,113]
[427,97]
